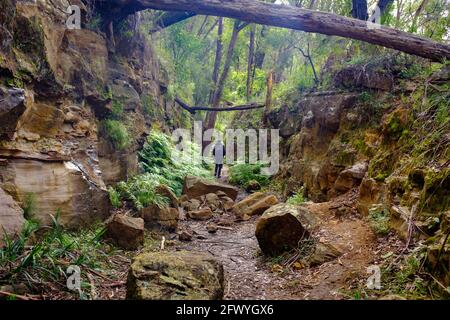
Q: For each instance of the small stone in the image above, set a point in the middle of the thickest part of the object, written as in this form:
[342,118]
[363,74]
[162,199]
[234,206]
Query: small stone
[202,214]
[185,236]
[211,227]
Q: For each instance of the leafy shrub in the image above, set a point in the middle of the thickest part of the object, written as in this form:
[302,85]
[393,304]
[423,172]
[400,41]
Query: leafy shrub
[29,205]
[297,198]
[114,197]
[379,220]
[140,190]
[241,174]
[47,259]
[160,157]
[117,133]
[117,109]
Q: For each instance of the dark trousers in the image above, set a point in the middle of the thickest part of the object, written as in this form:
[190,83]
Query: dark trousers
[218,170]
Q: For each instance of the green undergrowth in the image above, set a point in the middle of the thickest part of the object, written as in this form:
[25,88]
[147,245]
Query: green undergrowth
[243,173]
[117,133]
[162,164]
[403,277]
[379,218]
[297,198]
[40,256]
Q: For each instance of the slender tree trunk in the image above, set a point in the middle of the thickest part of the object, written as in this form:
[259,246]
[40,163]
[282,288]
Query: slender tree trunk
[217,60]
[359,9]
[399,12]
[211,117]
[290,17]
[268,104]
[202,26]
[251,54]
[419,11]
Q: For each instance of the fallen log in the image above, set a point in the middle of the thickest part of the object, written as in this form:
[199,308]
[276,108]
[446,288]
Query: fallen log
[291,17]
[193,110]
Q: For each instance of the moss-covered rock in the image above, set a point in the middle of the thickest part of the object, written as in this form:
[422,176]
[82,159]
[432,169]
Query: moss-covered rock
[181,275]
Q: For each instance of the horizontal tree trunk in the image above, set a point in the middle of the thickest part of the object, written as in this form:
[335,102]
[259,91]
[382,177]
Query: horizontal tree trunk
[284,16]
[192,110]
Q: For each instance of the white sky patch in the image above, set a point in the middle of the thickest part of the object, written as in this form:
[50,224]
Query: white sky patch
[282,2]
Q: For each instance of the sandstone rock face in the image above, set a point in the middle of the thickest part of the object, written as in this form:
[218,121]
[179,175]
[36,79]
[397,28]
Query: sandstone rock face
[125,231]
[11,217]
[281,228]
[369,193]
[254,204]
[351,177]
[57,187]
[357,77]
[312,159]
[49,134]
[195,187]
[181,275]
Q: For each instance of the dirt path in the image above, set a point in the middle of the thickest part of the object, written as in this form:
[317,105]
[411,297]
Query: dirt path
[250,275]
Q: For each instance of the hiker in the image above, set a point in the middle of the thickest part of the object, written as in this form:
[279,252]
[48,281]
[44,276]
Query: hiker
[219,154]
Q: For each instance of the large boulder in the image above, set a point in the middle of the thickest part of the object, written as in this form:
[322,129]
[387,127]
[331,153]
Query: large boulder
[195,187]
[165,217]
[11,217]
[181,275]
[202,214]
[127,232]
[254,204]
[351,177]
[282,227]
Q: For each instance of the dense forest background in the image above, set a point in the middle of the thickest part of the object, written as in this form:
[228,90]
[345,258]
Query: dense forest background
[203,53]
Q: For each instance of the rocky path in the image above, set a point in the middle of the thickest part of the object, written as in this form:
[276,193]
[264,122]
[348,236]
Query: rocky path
[250,275]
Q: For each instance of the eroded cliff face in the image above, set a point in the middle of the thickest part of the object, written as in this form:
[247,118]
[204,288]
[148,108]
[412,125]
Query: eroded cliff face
[370,136]
[57,87]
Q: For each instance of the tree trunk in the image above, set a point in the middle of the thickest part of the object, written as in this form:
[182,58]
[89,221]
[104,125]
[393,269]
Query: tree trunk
[359,9]
[251,54]
[217,60]
[211,117]
[419,11]
[296,18]
[268,103]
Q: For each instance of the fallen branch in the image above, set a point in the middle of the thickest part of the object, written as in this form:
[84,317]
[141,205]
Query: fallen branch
[17,296]
[193,110]
[225,228]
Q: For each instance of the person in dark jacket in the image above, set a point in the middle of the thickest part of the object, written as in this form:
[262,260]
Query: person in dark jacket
[219,154]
